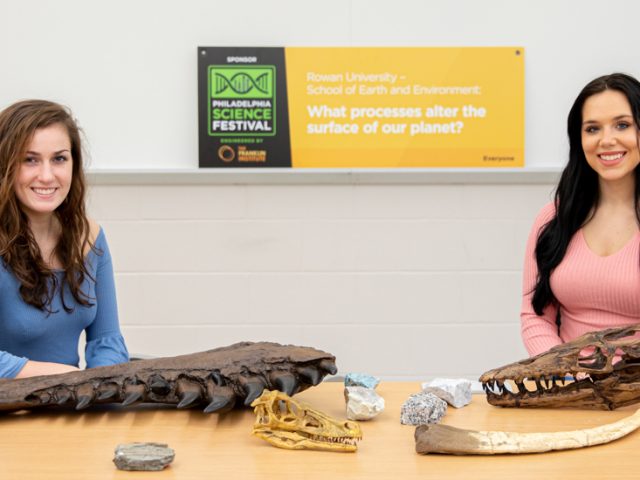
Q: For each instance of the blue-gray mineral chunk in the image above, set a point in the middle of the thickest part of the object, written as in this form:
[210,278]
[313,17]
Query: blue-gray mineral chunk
[361,380]
[422,408]
[143,456]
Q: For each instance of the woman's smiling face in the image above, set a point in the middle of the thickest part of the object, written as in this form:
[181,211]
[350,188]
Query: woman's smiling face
[44,176]
[610,135]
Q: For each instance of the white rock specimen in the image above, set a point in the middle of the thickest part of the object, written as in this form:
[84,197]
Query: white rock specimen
[422,408]
[362,403]
[455,391]
[361,380]
[143,456]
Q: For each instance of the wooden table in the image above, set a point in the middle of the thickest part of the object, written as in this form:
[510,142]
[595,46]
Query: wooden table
[80,445]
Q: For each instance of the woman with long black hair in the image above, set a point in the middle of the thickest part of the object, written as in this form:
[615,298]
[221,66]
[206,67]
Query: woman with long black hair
[582,263]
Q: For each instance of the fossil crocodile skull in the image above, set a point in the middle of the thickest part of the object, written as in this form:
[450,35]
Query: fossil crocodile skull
[599,370]
[286,423]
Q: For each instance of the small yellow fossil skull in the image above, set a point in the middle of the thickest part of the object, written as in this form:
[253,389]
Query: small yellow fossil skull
[285,423]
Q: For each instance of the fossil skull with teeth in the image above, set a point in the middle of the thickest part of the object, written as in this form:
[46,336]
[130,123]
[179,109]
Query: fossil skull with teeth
[599,370]
[289,424]
[218,379]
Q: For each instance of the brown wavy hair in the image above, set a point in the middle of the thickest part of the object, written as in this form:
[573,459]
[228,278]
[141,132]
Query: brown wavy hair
[18,248]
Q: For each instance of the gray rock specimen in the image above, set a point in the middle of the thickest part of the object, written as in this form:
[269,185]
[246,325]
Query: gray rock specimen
[455,391]
[361,380]
[422,408]
[143,456]
[362,403]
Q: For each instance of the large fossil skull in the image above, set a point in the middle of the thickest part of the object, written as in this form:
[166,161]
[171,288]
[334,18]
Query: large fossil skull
[286,423]
[599,370]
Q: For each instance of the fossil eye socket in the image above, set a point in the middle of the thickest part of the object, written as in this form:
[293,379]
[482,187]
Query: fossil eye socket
[311,422]
[281,407]
[592,357]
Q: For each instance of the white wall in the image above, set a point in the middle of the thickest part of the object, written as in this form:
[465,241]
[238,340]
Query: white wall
[128,68]
[402,281]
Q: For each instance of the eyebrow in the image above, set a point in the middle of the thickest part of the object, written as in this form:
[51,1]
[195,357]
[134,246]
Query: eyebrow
[615,118]
[30,152]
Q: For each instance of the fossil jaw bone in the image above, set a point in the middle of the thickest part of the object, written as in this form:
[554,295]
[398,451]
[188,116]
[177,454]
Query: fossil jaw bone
[286,423]
[445,439]
[216,380]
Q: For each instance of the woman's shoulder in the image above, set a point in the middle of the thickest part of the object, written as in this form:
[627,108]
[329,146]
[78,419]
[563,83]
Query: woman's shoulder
[545,215]
[96,235]
[94,230]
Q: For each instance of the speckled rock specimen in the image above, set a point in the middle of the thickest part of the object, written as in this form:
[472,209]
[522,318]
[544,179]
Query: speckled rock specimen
[455,391]
[362,403]
[422,408]
[361,380]
[143,456]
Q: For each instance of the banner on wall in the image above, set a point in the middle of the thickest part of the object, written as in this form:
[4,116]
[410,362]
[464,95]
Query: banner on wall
[361,107]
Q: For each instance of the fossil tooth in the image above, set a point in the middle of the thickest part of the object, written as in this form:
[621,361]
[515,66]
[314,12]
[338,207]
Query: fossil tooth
[544,381]
[328,366]
[107,391]
[189,392]
[133,393]
[85,394]
[253,387]
[222,401]
[494,388]
[84,401]
[286,382]
[62,395]
[538,385]
[189,399]
[218,378]
[131,397]
[159,385]
[311,374]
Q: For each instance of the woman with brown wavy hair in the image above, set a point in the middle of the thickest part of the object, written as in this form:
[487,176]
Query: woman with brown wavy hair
[56,276]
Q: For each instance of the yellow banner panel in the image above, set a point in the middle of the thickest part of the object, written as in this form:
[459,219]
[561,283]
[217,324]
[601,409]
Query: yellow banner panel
[406,107]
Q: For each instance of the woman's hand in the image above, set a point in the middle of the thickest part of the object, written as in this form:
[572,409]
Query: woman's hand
[33,369]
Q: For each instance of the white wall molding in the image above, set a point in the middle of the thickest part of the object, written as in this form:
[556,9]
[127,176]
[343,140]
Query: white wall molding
[282,176]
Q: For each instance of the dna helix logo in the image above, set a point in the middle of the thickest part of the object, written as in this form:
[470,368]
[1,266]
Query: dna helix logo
[242,83]
[242,100]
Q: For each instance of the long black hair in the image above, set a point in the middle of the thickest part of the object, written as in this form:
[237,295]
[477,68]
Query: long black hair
[577,194]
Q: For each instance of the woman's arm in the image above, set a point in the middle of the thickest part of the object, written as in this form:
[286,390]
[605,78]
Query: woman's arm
[539,332]
[12,366]
[105,345]
[33,369]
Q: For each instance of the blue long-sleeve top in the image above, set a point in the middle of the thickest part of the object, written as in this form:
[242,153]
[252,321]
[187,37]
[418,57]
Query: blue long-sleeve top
[27,333]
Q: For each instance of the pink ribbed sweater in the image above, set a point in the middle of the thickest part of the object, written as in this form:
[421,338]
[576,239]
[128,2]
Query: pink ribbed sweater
[594,292]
